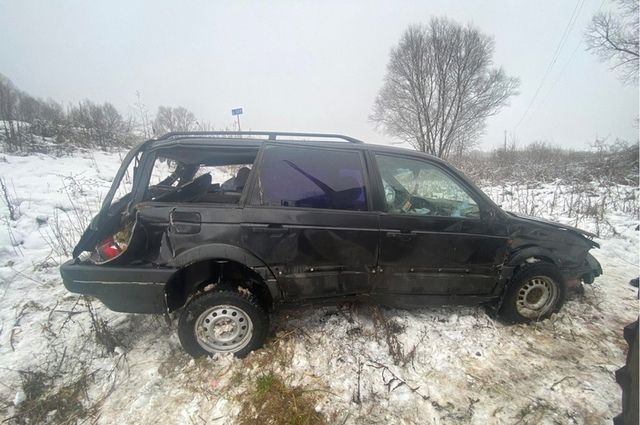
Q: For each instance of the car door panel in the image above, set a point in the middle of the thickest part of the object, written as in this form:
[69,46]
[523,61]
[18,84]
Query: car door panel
[308,219]
[314,253]
[436,257]
[424,254]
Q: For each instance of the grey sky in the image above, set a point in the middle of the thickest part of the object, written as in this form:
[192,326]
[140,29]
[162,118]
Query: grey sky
[304,66]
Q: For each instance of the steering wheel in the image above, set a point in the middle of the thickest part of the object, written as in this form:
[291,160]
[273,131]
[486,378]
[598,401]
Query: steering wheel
[402,201]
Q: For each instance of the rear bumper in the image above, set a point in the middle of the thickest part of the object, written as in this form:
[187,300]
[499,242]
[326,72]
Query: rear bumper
[123,289]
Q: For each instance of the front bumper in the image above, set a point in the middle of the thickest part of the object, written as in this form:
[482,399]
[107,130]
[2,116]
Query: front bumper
[587,273]
[594,265]
[125,289]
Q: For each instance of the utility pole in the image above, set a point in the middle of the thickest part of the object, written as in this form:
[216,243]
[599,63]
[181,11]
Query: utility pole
[505,140]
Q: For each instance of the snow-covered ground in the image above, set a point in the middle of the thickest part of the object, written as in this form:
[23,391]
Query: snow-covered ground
[66,359]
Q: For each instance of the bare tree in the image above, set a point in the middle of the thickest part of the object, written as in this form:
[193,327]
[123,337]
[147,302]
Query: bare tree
[98,125]
[169,119]
[440,87]
[8,110]
[144,116]
[26,122]
[614,38]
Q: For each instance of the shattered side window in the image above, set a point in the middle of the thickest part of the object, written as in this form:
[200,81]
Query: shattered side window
[226,175]
[202,176]
[126,183]
[163,168]
[421,188]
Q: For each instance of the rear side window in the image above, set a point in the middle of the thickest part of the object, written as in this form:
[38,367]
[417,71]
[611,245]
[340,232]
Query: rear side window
[310,178]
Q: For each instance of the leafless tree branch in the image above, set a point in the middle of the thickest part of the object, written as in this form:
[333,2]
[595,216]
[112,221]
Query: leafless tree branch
[170,119]
[440,87]
[614,38]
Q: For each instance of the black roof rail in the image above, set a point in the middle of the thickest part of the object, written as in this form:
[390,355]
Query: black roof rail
[272,135]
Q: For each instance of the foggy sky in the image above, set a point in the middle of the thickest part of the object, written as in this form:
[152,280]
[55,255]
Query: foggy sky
[304,66]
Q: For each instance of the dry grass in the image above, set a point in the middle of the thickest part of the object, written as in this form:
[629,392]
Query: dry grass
[9,201]
[68,224]
[389,329]
[607,162]
[173,363]
[46,403]
[271,401]
[104,335]
[55,389]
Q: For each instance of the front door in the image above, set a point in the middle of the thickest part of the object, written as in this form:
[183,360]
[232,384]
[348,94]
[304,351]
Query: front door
[309,220]
[435,238]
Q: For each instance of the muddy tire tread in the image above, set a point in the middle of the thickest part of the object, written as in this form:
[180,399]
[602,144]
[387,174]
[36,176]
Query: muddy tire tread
[203,300]
[508,312]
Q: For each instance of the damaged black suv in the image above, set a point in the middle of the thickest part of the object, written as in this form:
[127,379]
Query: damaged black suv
[223,227]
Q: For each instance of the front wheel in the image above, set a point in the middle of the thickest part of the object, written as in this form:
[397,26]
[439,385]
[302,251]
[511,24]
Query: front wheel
[534,293]
[223,321]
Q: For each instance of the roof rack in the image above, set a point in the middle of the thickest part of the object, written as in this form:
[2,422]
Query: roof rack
[272,135]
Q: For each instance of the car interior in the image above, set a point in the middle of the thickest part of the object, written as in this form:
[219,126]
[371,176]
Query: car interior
[200,176]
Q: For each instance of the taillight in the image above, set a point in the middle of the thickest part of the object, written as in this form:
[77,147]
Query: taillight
[109,248]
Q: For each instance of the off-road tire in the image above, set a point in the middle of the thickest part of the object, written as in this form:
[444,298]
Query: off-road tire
[627,378]
[200,303]
[508,311]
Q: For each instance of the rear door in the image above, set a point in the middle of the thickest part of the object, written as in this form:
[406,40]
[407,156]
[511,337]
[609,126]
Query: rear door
[309,219]
[436,237]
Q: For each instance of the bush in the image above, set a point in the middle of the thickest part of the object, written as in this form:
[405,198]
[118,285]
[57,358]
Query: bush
[29,125]
[605,163]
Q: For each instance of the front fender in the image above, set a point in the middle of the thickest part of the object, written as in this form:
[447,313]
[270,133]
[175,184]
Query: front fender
[521,255]
[517,257]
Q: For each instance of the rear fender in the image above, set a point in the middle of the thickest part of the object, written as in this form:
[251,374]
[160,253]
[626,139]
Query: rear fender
[225,252]
[218,250]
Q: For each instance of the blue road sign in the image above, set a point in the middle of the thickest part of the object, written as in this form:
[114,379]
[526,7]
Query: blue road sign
[237,111]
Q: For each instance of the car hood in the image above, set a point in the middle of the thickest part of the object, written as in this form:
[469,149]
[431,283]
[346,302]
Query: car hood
[588,235]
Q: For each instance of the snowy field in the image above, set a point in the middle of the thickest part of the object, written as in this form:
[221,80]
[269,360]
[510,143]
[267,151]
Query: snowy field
[64,359]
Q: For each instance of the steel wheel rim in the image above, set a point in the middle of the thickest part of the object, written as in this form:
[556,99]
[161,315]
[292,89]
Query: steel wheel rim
[223,329]
[537,297]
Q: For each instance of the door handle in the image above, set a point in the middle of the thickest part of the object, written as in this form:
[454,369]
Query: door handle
[184,222]
[184,217]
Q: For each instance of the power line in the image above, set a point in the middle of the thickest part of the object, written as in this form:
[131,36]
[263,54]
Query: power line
[563,39]
[544,100]
[564,67]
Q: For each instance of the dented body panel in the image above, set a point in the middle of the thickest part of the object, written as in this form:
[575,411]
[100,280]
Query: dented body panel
[564,246]
[303,254]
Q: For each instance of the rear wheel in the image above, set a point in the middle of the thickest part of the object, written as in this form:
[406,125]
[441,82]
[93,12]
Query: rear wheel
[223,321]
[534,293]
